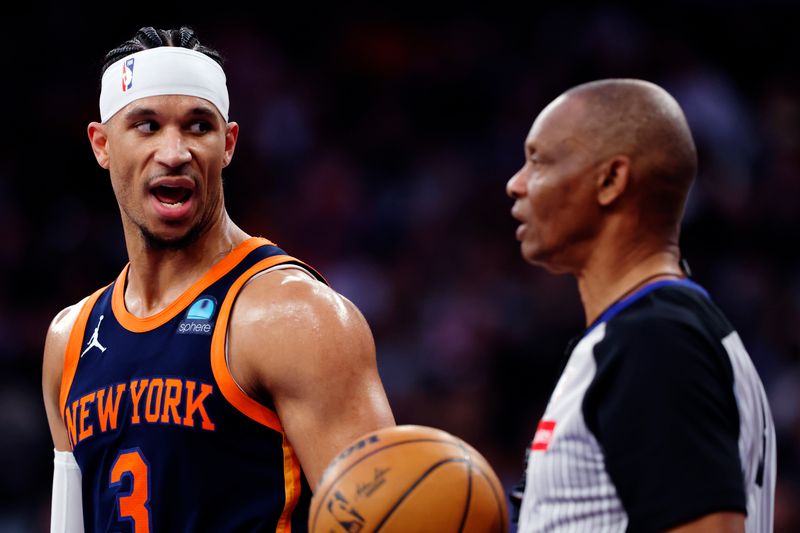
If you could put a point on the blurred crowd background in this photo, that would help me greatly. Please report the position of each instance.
(375, 144)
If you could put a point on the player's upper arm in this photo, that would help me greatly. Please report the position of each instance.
(55, 347)
(312, 352)
(663, 409)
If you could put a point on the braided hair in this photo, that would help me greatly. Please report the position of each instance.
(149, 37)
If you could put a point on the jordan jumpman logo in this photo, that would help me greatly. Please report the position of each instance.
(93, 342)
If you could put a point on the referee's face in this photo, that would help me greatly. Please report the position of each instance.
(554, 191)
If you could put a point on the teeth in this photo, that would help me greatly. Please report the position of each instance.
(172, 206)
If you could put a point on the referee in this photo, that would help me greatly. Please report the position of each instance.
(659, 421)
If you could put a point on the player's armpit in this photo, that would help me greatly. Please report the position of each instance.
(713, 523)
(312, 352)
(55, 347)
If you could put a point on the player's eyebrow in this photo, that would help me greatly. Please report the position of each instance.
(202, 111)
(140, 112)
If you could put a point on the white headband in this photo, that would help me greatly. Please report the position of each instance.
(161, 71)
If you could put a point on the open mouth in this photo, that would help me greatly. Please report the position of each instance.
(171, 196)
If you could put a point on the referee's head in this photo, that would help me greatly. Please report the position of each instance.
(610, 161)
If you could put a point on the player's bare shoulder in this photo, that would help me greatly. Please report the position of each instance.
(58, 333)
(55, 347)
(297, 325)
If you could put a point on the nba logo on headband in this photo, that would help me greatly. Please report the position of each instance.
(127, 74)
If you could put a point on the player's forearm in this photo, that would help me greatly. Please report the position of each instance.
(67, 506)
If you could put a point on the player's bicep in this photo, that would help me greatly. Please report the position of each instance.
(663, 410)
(338, 397)
(315, 358)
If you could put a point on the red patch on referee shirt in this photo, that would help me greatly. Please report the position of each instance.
(543, 436)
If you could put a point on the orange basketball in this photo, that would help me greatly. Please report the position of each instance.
(409, 479)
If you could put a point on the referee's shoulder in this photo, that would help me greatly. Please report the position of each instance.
(669, 308)
(678, 322)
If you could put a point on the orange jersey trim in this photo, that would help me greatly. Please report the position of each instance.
(292, 484)
(219, 364)
(139, 325)
(247, 405)
(72, 354)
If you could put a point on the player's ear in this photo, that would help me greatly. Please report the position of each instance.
(613, 179)
(231, 134)
(98, 138)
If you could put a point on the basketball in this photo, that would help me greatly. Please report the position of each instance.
(409, 479)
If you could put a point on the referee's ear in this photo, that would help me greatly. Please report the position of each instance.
(612, 181)
(98, 138)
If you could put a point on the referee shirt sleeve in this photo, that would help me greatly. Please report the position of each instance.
(663, 410)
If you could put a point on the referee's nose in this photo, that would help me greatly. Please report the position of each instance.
(517, 186)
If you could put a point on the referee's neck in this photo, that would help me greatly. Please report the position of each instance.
(605, 282)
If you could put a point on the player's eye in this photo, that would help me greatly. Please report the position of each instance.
(200, 126)
(146, 126)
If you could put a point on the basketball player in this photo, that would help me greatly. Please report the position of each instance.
(208, 386)
(659, 420)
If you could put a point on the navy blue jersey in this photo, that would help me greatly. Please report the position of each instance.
(165, 439)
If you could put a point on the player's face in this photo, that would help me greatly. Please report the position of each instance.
(165, 155)
(555, 190)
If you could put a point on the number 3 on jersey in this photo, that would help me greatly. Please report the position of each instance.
(134, 504)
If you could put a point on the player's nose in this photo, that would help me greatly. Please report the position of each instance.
(172, 149)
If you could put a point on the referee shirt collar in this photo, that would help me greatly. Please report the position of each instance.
(615, 308)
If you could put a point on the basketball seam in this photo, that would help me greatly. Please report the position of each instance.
(497, 499)
(469, 489)
(370, 454)
(413, 486)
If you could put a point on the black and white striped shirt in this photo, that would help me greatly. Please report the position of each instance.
(658, 418)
